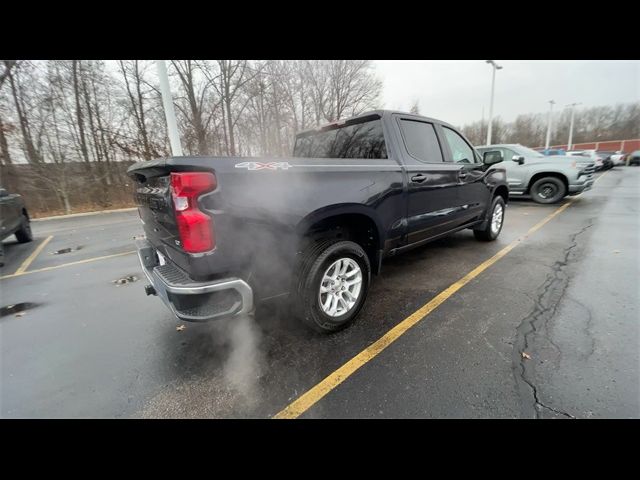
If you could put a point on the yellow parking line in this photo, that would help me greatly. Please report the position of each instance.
(312, 396)
(33, 256)
(79, 262)
(596, 180)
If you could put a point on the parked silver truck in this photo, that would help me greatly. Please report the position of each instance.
(545, 179)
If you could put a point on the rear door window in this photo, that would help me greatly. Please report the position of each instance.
(421, 141)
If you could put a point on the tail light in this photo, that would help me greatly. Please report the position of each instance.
(195, 227)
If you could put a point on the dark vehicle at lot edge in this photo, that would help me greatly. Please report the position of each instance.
(224, 233)
(14, 219)
(607, 162)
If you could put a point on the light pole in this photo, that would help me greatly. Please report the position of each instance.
(493, 83)
(169, 112)
(546, 145)
(573, 111)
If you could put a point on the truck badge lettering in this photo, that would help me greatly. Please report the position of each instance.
(264, 166)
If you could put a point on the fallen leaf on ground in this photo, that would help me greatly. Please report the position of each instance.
(526, 355)
(179, 328)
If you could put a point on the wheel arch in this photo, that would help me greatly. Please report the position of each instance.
(353, 222)
(503, 191)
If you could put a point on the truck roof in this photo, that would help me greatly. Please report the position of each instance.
(370, 113)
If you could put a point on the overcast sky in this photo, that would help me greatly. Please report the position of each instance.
(456, 91)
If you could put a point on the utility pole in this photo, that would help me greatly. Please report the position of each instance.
(495, 67)
(169, 112)
(546, 145)
(573, 111)
(482, 124)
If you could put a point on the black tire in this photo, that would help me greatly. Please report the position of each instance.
(24, 235)
(548, 190)
(319, 257)
(489, 234)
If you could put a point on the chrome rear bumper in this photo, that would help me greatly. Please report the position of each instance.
(189, 299)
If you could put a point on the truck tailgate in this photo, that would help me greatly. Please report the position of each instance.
(153, 196)
(155, 207)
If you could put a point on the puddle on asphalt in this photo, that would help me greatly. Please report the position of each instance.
(125, 280)
(66, 250)
(16, 308)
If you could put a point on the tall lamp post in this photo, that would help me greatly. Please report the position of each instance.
(493, 83)
(573, 111)
(169, 112)
(546, 145)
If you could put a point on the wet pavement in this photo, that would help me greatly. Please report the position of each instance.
(550, 330)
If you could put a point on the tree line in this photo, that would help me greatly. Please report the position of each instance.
(70, 128)
(619, 122)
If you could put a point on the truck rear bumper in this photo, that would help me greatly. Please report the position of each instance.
(191, 300)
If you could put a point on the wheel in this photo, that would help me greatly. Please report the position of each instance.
(333, 282)
(496, 220)
(548, 190)
(24, 235)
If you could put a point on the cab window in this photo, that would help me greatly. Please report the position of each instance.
(421, 141)
(461, 152)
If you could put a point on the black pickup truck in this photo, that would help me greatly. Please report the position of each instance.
(223, 233)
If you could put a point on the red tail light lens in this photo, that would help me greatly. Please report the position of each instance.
(195, 227)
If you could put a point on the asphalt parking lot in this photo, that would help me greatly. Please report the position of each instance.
(550, 330)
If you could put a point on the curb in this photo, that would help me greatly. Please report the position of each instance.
(84, 214)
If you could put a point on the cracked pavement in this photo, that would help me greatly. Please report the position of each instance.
(534, 328)
(567, 296)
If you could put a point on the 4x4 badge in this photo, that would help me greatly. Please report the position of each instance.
(264, 166)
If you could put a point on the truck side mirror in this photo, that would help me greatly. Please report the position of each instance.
(492, 157)
(519, 159)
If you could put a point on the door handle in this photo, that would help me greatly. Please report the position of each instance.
(419, 178)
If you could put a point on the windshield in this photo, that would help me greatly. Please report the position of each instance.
(360, 140)
(527, 152)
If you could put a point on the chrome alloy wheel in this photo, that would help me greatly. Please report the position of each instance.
(340, 287)
(496, 219)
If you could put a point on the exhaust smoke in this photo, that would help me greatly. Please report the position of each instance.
(244, 364)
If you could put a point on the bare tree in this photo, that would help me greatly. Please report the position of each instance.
(233, 75)
(196, 87)
(5, 128)
(7, 66)
(24, 103)
(75, 68)
(134, 83)
(5, 155)
(352, 88)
